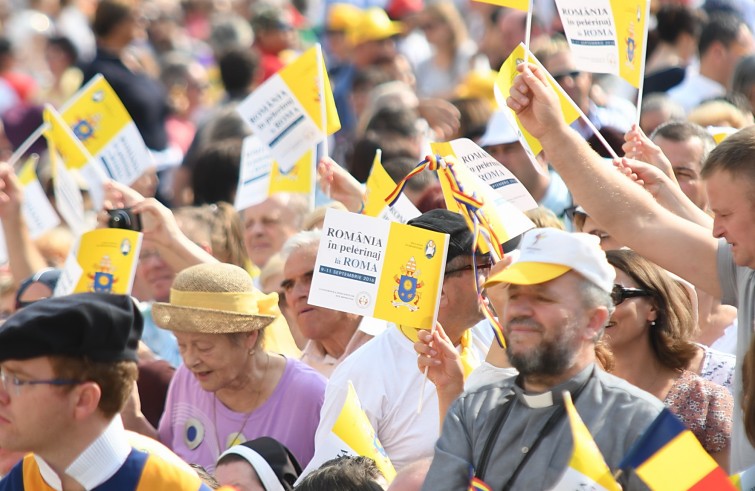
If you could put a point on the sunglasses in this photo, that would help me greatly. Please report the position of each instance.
(620, 293)
(558, 77)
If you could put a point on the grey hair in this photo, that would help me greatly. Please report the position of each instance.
(593, 296)
(662, 102)
(301, 240)
(297, 204)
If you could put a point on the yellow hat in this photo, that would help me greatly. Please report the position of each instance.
(373, 25)
(341, 16)
(547, 253)
(479, 84)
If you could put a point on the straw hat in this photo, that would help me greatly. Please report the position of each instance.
(215, 299)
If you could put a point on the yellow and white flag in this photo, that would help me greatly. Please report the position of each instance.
(99, 120)
(504, 220)
(514, 4)
(261, 176)
(73, 155)
(353, 434)
(607, 36)
(379, 185)
(488, 170)
(38, 213)
(503, 88)
(68, 199)
(293, 110)
(102, 260)
(587, 469)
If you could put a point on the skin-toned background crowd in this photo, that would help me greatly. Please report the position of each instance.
(635, 293)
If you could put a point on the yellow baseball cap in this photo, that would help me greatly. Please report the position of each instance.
(341, 16)
(547, 253)
(479, 84)
(373, 25)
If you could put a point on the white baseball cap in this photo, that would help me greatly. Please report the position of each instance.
(499, 130)
(547, 253)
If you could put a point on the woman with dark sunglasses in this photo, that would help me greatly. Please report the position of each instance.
(649, 334)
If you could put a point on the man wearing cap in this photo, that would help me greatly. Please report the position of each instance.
(371, 36)
(384, 371)
(67, 368)
(722, 265)
(545, 185)
(515, 434)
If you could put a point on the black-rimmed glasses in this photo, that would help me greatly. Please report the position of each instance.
(620, 293)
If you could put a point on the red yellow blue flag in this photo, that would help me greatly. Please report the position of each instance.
(668, 457)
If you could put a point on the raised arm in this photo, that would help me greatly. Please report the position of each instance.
(23, 256)
(628, 212)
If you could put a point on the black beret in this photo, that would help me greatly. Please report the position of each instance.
(440, 220)
(99, 326)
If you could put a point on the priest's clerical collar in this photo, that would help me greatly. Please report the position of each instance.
(556, 394)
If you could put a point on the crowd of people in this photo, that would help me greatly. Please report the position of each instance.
(634, 293)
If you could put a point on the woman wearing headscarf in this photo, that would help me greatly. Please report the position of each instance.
(262, 464)
(229, 389)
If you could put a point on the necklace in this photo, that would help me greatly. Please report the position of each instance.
(239, 433)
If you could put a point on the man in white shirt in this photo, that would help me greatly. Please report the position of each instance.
(384, 371)
(724, 40)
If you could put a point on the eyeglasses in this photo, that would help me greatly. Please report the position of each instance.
(481, 268)
(573, 74)
(620, 293)
(9, 381)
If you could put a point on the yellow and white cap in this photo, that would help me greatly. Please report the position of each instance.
(547, 253)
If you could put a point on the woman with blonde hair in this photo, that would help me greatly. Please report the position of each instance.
(453, 51)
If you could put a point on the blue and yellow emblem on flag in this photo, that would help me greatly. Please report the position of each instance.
(407, 289)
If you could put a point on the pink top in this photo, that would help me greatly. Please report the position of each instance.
(290, 415)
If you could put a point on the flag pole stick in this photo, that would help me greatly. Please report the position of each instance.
(642, 59)
(15, 159)
(528, 31)
(323, 121)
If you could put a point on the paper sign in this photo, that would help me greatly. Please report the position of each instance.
(505, 219)
(99, 120)
(286, 112)
(103, 260)
(607, 36)
(260, 175)
(379, 185)
(377, 268)
(489, 170)
(37, 211)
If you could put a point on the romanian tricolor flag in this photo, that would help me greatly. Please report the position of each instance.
(477, 484)
(668, 457)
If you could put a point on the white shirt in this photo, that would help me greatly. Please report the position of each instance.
(694, 89)
(95, 465)
(388, 383)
